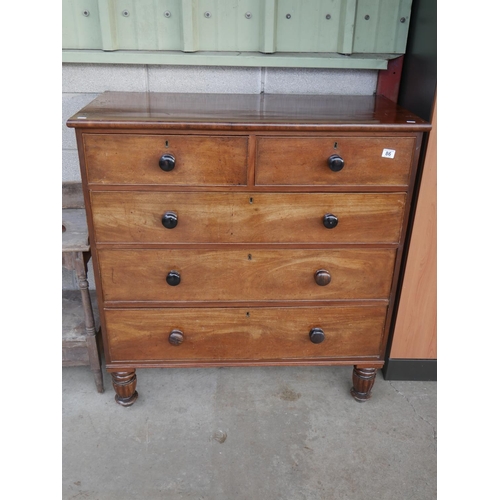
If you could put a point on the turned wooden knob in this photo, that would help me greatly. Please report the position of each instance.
(169, 220)
(173, 278)
(167, 162)
(176, 337)
(322, 277)
(317, 335)
(336, 163)
(330, 221)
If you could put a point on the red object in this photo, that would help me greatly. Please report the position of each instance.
(390, 78)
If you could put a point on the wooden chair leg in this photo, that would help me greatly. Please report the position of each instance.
(83, 284)
(95, 366)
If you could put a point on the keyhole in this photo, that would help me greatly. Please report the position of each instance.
(166, 144)
(251, 200)
(248, 314)
(335, 145)
(249, 256)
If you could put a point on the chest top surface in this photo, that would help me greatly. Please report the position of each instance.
(243, 111)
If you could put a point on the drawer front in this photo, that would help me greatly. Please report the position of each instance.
(296, 161)
(135, 217)
(245, 275)
(244, 334)
(134, 159)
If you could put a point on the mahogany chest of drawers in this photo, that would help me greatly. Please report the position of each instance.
(236, 230)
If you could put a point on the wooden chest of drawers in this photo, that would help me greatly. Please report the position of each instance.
(236, 230)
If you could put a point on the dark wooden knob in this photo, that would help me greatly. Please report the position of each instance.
(317, 335)
(336, 163)
(176, 337)
(167, 162)
(173, 278)
(169, 220)
(330, 221)
(322, 277)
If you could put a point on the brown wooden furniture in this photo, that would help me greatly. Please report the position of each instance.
(236, 230)
(79, 345)
(413, 353)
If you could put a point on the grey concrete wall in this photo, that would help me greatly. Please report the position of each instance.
(81, 83)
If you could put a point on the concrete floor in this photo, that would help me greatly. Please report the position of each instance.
(248, 434)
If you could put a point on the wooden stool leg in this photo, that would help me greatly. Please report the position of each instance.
(125, 384)
(83, 284)
(98, 379)
(362, 380)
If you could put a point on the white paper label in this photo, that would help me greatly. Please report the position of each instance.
(388, 153)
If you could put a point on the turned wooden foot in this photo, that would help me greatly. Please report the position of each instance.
(124, 384)
(363, 380)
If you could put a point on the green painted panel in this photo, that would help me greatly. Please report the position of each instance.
(189, 25)
(268, 21)
(222, 24)
(310, 27)
(304, 26)
(251, 59)
(144, 26)
(169, 29)
(81, 25)
(383, 31)
(108, 24)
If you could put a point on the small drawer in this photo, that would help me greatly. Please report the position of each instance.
(245, 275)
(253, 334)
(335, 161)
(191, 160)
(134, 217)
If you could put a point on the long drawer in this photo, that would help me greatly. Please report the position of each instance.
(384, 161)
(235, 217)
(245, 275)
(244, 334)
(135, 159)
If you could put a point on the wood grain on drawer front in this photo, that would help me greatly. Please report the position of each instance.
(135, 217)
(297, 161)
(245, 275)
(244, 334)
(134, 159)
